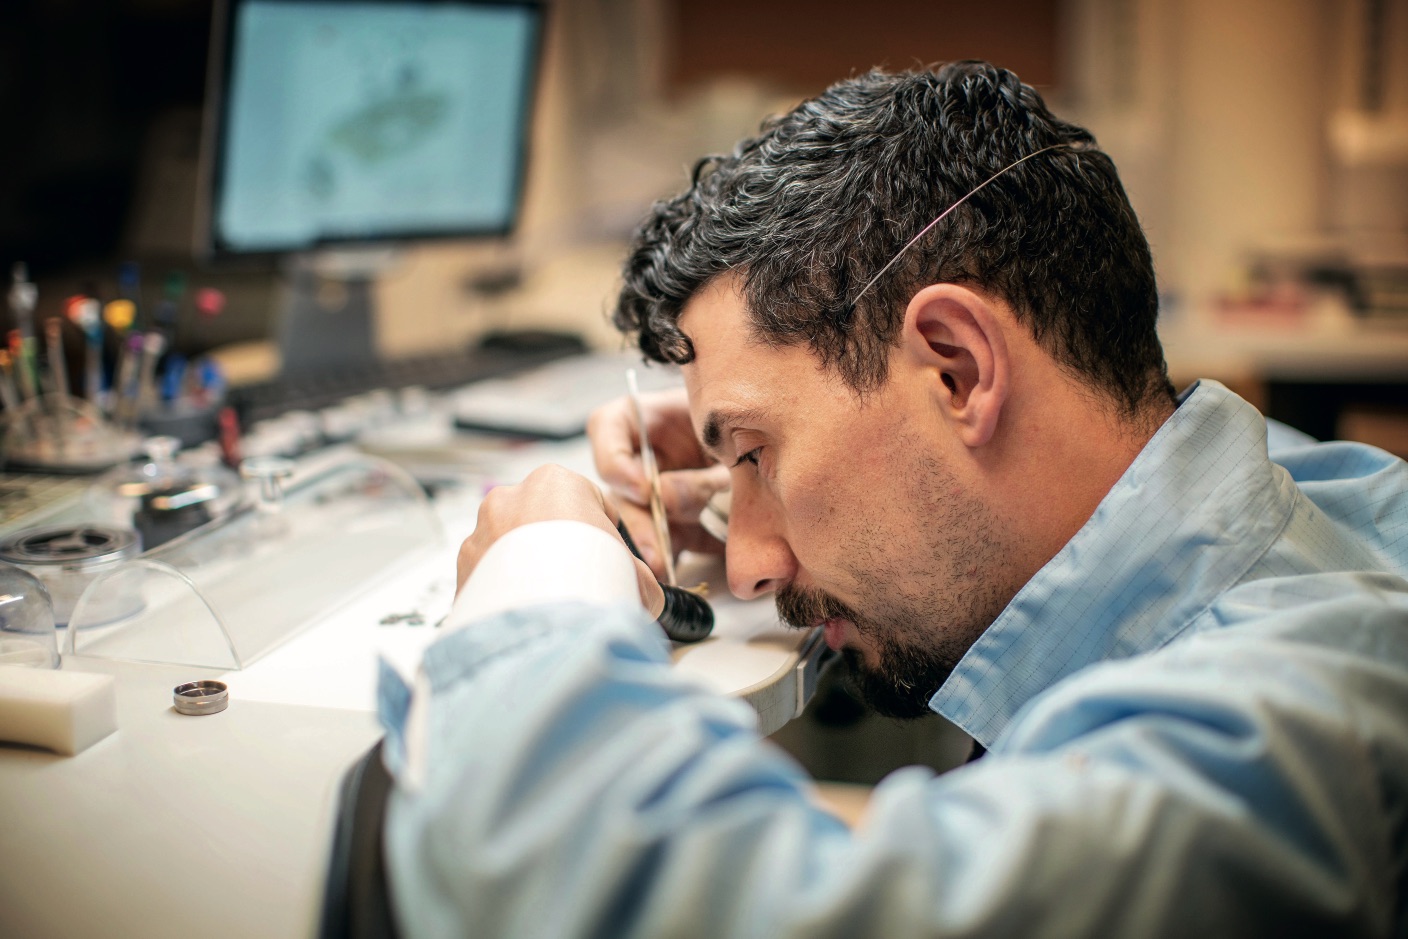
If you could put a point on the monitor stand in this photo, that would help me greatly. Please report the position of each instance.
(328, 321)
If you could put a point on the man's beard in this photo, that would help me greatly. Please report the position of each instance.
(909, 672)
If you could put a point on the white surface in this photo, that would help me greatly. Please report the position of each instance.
(333, 664)
(221, 824)
(217, 825)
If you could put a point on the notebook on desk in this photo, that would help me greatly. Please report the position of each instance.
(553, 401)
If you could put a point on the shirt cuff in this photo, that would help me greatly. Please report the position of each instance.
(547, 562)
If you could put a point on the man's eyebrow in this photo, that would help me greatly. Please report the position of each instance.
(718, 420)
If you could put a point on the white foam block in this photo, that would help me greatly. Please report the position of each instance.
(66, 712)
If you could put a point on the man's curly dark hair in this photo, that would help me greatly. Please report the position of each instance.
(812, 208)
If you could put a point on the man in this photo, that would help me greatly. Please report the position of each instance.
(949, 440)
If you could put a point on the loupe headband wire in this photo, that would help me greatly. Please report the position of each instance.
(945, 213)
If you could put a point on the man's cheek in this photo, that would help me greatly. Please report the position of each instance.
(816, 509)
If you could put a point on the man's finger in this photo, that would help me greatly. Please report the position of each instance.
(685, 492)
(614, 439)
(652, 595)
(642, 528)
(695, 538)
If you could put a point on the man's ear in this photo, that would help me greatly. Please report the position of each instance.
(956, 334)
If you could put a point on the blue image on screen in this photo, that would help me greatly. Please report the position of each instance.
(372, 121)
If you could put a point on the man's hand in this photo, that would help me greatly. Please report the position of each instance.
(687, 476)
(549, 492)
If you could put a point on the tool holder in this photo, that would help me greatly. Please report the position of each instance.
(63, 434)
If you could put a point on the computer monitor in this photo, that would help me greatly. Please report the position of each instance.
(335, 124)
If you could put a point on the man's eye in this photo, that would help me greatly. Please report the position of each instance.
(750, 457)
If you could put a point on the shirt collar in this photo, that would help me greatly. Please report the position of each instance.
(1198, 506)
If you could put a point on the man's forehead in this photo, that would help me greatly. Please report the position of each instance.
(714, 322)
(717, 307)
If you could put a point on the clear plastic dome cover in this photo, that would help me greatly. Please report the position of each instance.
(26, 620)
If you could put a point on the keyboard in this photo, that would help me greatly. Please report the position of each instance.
(314, 391)
(553, 401)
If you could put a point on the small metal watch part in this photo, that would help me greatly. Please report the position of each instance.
(207, 696)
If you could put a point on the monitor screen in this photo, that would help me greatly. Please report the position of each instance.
(343, 121)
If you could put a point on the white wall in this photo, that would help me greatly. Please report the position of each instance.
(1220, 114)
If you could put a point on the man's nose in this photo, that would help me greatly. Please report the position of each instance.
(759, 559)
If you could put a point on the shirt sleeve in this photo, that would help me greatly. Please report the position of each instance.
(1236, 785)
(538, 563)
(546, 562)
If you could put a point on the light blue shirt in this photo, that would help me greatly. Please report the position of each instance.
(1197, 717)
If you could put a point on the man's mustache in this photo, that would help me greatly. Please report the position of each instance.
(803, 608)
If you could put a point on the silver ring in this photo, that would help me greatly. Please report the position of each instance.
(202, 697)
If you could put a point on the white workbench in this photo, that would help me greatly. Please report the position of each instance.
(221, 825)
